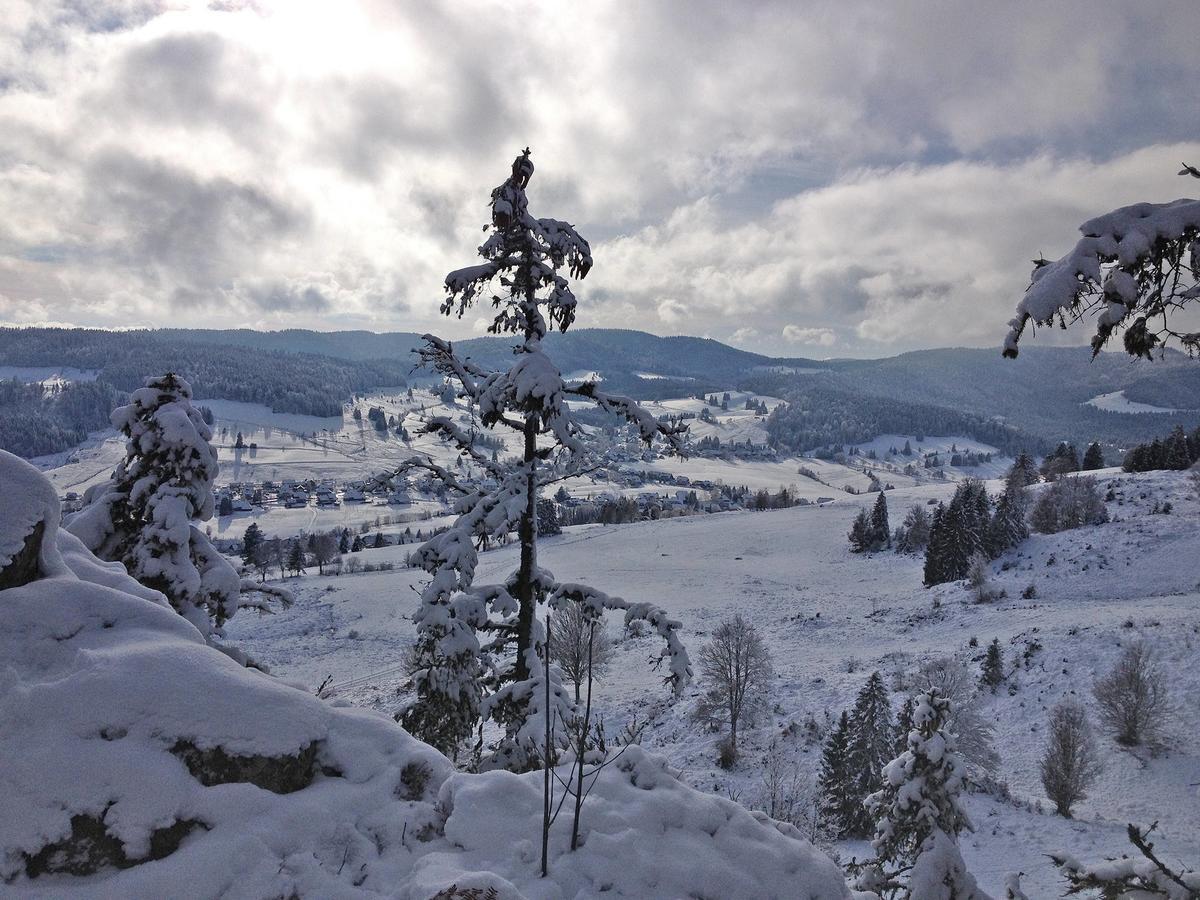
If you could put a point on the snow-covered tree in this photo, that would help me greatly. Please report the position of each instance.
(457, 677)
(839, 802)
(1009, 525)
(580, 644)
(736, 666)
(881, 532)
(146, 515)
(296, 559)
(992, 670)
(919, 816)
(955, 680)
(860, 533)
(959, 531)
(1134, 699)
(1024, 471)
(868, 750)
(250, 541)
(547, 518)
(1068, 503)
(1070, 763)
(914, 532)
(1136, 267)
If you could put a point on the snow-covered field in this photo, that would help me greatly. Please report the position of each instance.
(829, 619)
(1118, 402)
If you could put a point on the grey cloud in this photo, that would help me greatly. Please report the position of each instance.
(203, 230)
(195, 80)
(287, 298)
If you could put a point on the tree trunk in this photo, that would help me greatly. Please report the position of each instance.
(527, 533)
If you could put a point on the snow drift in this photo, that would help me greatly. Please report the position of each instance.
(135, 760)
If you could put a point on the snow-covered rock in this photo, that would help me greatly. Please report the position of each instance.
(137, 761)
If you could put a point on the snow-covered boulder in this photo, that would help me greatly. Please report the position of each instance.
(138, 761)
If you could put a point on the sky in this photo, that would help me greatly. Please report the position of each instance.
(815, 179)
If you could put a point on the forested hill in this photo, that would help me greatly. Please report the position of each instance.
(284, 380)
(1043, 393)
(1032, 402)
(624, 357)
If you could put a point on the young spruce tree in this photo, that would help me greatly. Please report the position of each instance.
(918, 814)
(839, 804)
(146, 515)
(869, 749)
(459, 679)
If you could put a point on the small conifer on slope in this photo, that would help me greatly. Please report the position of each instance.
(869, 748)
(458, 677)
(839, 804)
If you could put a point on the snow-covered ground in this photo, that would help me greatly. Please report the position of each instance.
(137, 761)
(830, 618)
(46, 374)
(1117, 402)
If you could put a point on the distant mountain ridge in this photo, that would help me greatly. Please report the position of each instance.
(1033, 401)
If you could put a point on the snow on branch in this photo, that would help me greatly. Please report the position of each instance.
(647, 425)
(1147, 876)
(1138, 262)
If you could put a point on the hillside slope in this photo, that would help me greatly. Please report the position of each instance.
(136, 761)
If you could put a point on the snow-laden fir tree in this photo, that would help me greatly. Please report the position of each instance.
(935, 571)
(479, 649)
(840, 804)
(146, 515)
(1010, 521)
(868, 750)
(919, 816)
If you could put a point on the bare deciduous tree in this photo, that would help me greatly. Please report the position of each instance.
(1070, 763)
(785, 795)
(324, 548)
(737, 665)
(954, 680)
(1133, 696)
(573, 634)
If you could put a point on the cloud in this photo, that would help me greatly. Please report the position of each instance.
(886, 259)
(821, 337)
(736, 167)
(671, 311)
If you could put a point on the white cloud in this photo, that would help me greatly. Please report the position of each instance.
(822, 337)
(671, 311)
